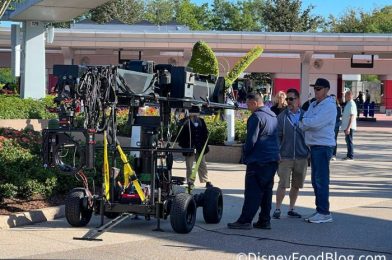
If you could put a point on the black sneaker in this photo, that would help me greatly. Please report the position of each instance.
(238, 225)
(276, 214)
(262, 225)
(209, 184)
(293, 214)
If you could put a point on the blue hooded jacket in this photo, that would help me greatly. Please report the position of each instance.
(261, 144)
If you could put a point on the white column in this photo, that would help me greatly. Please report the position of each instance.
(305, 67)
(229, 116)
(68, 54)
(15, 46)
(187, 55)
(33, 62)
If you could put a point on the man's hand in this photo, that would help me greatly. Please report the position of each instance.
(347, 131)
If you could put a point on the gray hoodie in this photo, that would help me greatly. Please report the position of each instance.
(291, 138)
(318, 123)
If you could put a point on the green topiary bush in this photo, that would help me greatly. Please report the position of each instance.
(242, 64)
(203, 59)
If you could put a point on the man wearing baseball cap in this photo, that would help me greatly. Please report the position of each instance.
(318, 124)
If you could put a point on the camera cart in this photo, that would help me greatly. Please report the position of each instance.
(145, 187)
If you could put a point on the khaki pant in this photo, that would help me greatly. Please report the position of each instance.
(203, 173)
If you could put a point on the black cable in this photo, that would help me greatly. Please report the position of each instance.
(294, 243)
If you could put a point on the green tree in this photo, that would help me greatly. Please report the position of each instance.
(353, 21)
(218, 17)
(159, 11)
(240, 16)
(127, 11)
(203, 15)
(288, 16)
(252, 19)
(191, 15)
(203, 59)
(259, 78)
(358, 21)
(370, 78)
(380, 21)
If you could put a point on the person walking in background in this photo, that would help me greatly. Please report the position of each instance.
(359, 102)
(366, 105)
(293, 152)
(337, 126)
(261, 156)
(194, 134)
(318, 124)
(349, 124)
(280, 103)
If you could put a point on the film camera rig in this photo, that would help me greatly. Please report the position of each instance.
(147, 187)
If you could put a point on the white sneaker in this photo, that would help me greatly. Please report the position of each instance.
(333, 158)
(320, 218)
(308, 217)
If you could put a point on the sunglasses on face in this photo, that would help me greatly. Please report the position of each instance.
(290, 99)
(318, 89)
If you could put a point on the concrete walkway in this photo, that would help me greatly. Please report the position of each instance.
(361, 202)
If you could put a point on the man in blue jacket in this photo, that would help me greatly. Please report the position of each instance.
(318, 124)
(261, 156)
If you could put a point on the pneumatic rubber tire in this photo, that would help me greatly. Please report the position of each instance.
(76, 214)
(213, 205)
(183, 213)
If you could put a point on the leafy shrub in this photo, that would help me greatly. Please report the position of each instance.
(241, 117)
(123, 127)
(21, 165)
(240, 131)
(8, 190)
(6, 75)
(14, 107)
(217, 130)
(31, 187)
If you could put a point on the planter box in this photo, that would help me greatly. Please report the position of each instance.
(18, 124)
(224, 154)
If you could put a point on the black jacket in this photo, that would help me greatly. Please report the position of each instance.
(193, 137)
(277, 110)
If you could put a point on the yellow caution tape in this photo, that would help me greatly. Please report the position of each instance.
(217, 116)
(196, 168)
(129, 173)
(105, 170)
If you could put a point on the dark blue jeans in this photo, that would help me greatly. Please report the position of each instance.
(350, 144)
(259, 180)
(336, 140)
(320, 156)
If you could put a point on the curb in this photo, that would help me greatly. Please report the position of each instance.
(31, 217)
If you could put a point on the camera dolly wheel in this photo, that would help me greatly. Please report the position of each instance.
(212, 205)
(183, 213)
(77, 212)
